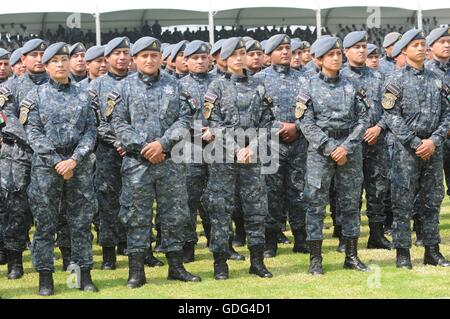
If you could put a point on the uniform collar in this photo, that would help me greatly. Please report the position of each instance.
(38, 78)
(180, 75)
(78, 78)
(390, 59)
(237, 78)
(414, 70)
(116, 76)
(281, 68)
(358, 69)
(3, 80)
(440, 65)
(169, 71)
(58, 85)
(148, 79)
(327, 79)
(198, 76)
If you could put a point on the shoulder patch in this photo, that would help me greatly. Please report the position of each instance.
(302, 103)
(25, 107)
(268, 101)
(112, 99)
(394, 89)
(210, 97)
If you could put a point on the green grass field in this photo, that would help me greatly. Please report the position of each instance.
(290, 276)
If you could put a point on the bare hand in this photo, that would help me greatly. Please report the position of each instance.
(426, 149)
(152, 150)
(68, 175)
(207, 135)
(343, 161)
(157, 158)
(338, 154)
(372, 134)
(288, 132)
(244, 155)
(64, 167)
(121, 151)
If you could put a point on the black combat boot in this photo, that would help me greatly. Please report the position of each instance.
(257, 266)
(151, 260)
(3, 258)
(121, 249)
(300, 245)
(65, 253)
(234, 255)
(207, 230)
(86, 283)
(315, 257)
(419, 233)
(271, 247)
(239, 234)
(351, 255)
(434, 257)
(15, 265)
(176, 268)
(136, 272)
(46, 283)
(341, 245)
(403, 258)
(189, 252)
(377, 240)
(109, 258)
(282, 239)
(220, 266)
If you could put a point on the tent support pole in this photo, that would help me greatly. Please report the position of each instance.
(98, 31)
(211, 27)
(419, 19)
(318, 23)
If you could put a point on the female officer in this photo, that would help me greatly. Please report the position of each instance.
(236, 102)
(332, 114)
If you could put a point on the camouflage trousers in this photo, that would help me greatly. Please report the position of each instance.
(144, 183)
(447, 163)
(196, 181)
(285, 188)
(108, 184)
(348, 181)
(46, 193)
(376, 182)
(416, 183)
(15, 220)
(219, 199)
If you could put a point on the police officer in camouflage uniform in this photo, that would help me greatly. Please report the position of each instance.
(5, 68)
(236, 101)
(416, 103)
(15, 158)
(18, 68)
(194, 87)
(109, 152)
(177, 58)
(63, 141)
(96, 64)
(375, 153)
(439, 42)
(332, 114)
(149, 120)
(387, 63)
(220, 65)
(4, 73)
(78, 71)
(285, 187)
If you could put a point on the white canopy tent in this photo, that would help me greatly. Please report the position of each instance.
(132, 13)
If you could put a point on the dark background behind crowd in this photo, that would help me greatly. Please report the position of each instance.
(13, 36)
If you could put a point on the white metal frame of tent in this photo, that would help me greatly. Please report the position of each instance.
(98, 7)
